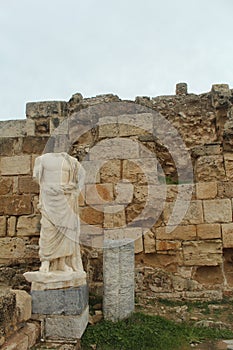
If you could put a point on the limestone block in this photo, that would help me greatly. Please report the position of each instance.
(5, 185)
(8, 309)
(225, 189)
(124, 192)
(131, 170)
(207, 150)
(133, 233)
(2, 226)
(209, 168)
(91, 215)
(92, 171)
(208, 231)
(227, 235)
(185, 233)
(81, 200)
(118, 272)
(34, 144)
(16, 250)
(45, 109)
(108, 127)
(66, 327)
(140, 193)
(30, 127)
(167, 245)
(149, 242)
(194, 214)
(111, 171)
(137, 124)
(23, 303)
(15, 204)
(16, 165)
(28, 225)
(228, 160)
(16, 342)
(206, 190)
(116, 148)
(182, 189)
(11, 226)
(69, 301)
(32, 330)
(28, 185)
(99, 193)
(24, 339)
(218, 210)
(12, 128)
(114, 216)
(202, 253)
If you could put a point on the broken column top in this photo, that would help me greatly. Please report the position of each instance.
(181, 89)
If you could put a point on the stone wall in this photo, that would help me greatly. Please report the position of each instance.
(194, 261)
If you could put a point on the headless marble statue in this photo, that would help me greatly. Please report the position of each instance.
(60, 177)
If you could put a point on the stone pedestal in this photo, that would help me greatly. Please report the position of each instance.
(118, 271)
(60, 300)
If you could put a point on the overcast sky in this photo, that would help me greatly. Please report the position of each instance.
(51, 49)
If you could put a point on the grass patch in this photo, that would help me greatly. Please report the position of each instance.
(145, 332)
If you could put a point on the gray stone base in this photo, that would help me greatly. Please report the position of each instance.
(65, 327)
(69, 301)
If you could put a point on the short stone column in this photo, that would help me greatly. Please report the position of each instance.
(118, 273)
(60, 302)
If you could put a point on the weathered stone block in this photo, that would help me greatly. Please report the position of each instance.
(111, 171)
(133, 233)
(124, 192)
(206, 190)
(99, 193)
(202, 253)
(228, 159)
(149, 242)
(225, 189)
(115, 148)
(16, 165)
(45, 109)
(131, 170)
(16, 250)
(66, 327)
(2, 226)
(28, 185)
(210, 168)
(5, 185)
(114, 216)
(28, 225)
(11, 226)
(208, 231)
(118, 270)
(108, 127)
(168, 245)
(69, 301)
(185, 233)
(34, 144)
(23, 303)
(137, 124)
(8, 312)
(15, 205)
(227, 235)
(218, 210)
(193, 215)
(91, 216)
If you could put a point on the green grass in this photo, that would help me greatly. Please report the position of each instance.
(144, 332)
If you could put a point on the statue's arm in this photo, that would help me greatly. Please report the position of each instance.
(37, 170)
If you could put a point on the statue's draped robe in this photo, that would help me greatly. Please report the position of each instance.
(60, 177)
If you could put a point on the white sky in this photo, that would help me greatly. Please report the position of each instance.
(51, 49)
